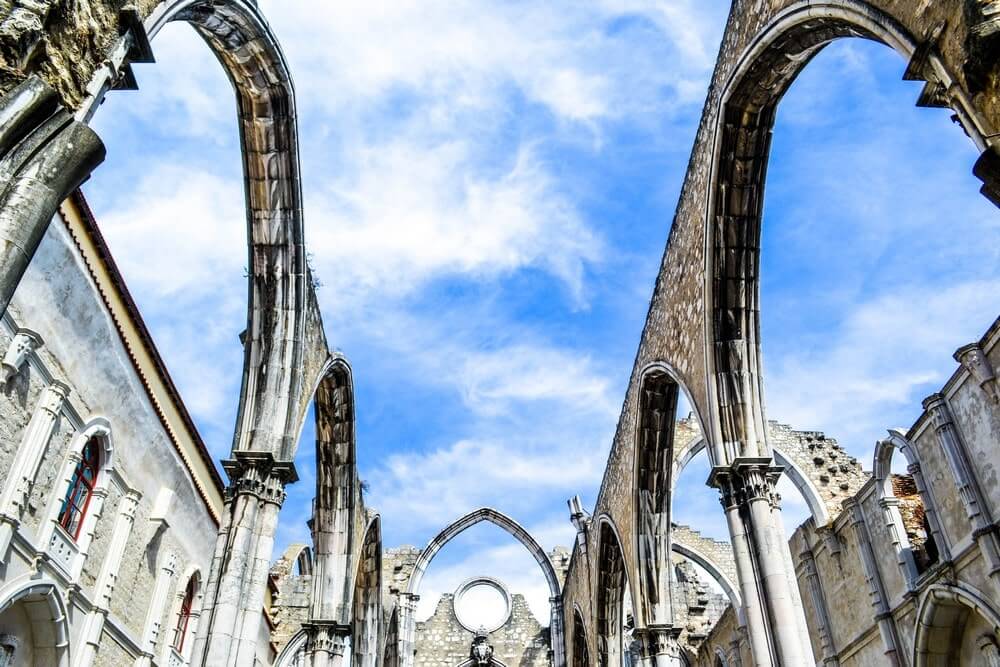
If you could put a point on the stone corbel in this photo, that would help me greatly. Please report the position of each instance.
(935, 92)
(974, 359)
(24, 343)
(161, 510)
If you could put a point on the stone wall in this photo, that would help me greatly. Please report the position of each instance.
(441, 641)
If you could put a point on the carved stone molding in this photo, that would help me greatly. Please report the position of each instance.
(974, 359)
(260, 475)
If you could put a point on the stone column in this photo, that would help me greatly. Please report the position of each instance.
(984, 530)
(781, 539)
(876, 587)
(749, 498)
(24, 469)
(106, 580)
(808, 561)
(757, 629)
(659, 647)
(58, 154)
(157, 605)
(234, 599)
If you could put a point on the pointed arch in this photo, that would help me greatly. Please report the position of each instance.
(715, 570)
(612, 584)
(48, 620)
(502, 521)
(515, 530)
(366, 603)
(581, 646)
(946, 615)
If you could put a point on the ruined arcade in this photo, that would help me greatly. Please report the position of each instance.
(123, 542)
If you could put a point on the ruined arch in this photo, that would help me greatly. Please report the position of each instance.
(906, 555)
(653, 483)
(946, 615)
(44, 622)
(581, 647)
(747, 108)
(715, 570)
(366, 603)
(612, 583)
(799, 477)
(516, 531)
(390, 641)
(293, 654)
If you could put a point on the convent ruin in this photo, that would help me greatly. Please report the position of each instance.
(104, 562)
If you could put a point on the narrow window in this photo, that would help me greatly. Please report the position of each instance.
(81, 489)
(184, 616)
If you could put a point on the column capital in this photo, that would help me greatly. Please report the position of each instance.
(258, 474)
(326, 637)
(747, 479)
(657, 640)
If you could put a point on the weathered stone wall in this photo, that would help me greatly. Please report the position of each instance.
(441, 641)
(849, 592)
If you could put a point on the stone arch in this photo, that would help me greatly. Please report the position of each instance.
(882, 469)
(191, 576)
(390, 643)
(294, 652)
(720, 658)
(366, 603)
(947, 614)
(748, 105)
(282, 340)
(715, 570)
(799, 477)
(612, 583)
(516, 531)
(581, 647)
(43, 620)
(653, 482)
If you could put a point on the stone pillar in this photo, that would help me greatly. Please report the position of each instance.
(876, 588)
(58, 154)
(234, 599)
(808, 561)
(154, 616)
(658, 646)
(24, 469)
(984, 530)
(781, 539)
(326, 644)
(106, 580)
(748, 496)
(757, 628)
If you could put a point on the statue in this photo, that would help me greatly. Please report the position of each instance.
(481, 652)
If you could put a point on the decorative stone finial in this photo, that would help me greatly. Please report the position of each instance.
(21, 346)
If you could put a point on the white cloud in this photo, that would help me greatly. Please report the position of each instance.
(410, 213)
(879, 362)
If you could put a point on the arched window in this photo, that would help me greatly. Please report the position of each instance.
(184, 615)
(81, 489)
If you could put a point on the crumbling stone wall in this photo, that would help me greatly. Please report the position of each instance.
(292, 595)
(441, 641)
(697, 608)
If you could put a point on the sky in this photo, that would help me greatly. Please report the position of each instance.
(488, 191)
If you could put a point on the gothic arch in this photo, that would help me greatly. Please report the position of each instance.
(882, 471)
(293, 654)
(945, 615)
(715, 570)
(366, 603)
(581, 646)
(498, 519)
(612, 583)
(749, 101)
(46, 611)
(282, 339)
(802, 481)
(516, 531)
(653, 483)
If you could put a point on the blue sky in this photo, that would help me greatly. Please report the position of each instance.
(488, 189)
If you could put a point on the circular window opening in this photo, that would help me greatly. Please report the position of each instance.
(482, 603)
